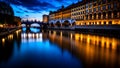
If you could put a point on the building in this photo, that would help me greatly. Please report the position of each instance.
(17, 20)
(45, 18)
(6, 13)
(87, 12)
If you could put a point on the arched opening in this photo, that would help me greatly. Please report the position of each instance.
(66, 23)
(110, 22)
(89, 23)
(104, 22)
(58, 24)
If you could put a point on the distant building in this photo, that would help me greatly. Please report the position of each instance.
(45, 18)
(17, 20)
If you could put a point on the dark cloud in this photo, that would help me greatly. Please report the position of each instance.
(18, 12)
(34, 5)
(28, 8)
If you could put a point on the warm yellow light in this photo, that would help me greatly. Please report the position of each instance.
(1, 25)
(3, 40)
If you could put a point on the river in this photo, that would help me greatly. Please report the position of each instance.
(58, 49)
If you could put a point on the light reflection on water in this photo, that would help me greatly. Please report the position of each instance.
(59, 49)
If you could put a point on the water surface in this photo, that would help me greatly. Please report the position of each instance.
(63, 49)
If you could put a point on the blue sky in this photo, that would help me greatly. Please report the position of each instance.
(34, 9)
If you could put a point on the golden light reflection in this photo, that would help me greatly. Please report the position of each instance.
(3, 41)
(103, 42)
(71, 36)
(92, 48)
(17, 32)
(10, 37)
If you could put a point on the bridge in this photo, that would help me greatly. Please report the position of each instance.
(29, 23)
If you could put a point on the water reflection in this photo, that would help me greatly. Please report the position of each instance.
(31, 37)
(31, 30)
(59, 49)
(93, 50)
(29, 49)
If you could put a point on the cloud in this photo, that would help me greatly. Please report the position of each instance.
(18, 12)
(36, 8)
(34, 5)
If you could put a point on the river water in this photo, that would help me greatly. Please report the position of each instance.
(58, 49)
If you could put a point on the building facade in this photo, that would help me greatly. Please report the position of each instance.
(88, 12)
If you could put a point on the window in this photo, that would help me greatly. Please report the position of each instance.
(104, 8)
(109, 6)
(94, 16)
(103, 1)
(109, 1)
(99, 8)
(90, 16)
(90, 5)
(94, 4)
(90, 10)
(115, 5)
(87, 11)
(94, 9)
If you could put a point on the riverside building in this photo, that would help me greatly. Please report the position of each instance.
(87, 12)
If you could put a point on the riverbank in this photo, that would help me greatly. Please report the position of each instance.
(7, 31)
(109, 29)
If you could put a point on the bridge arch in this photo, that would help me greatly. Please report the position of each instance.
(58, 24)
(66, 23)
(35, 25)
(23, 25)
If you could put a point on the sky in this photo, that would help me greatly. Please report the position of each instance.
(34, 9)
